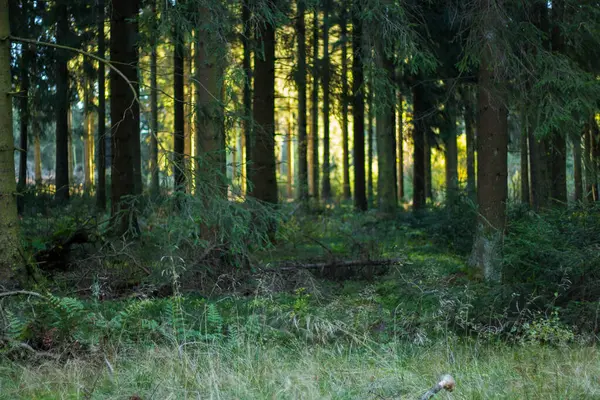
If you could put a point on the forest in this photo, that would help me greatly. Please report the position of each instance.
(283, 199)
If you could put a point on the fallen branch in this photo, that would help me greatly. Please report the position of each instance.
(22, 292)
(292, 266)
(19, 345)
(446, 382)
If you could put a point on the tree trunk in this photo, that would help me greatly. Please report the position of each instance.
(577, 169)
(210, 139)
(154, 168)
(386, 135)
(451, 154)
(525, 194)
(419, 133)
(187, 121)
(358, 109)
(37, 156)
(247, 95)
(10, 243)
(325, 74)
(400, 149)
(178, 111)
(72, 154)
(428, 176)
(101, 140)
(470, 139)
(538, 158)
(587, 161)
(492, 161)
(88, 136)
(302, 101)
(62, 105)
(595, 146)
(26, 56)
(124, 113)
(370, 141)
(347, 195)
(289, 157)
(314, 148)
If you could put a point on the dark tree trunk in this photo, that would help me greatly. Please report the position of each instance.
(301, 84)
(400, 150)
(178, 112)
(263, 175)
(370, 142)
(419, 133)
(577, 169)
(451, 154)
(325, 74)
(124, 112)
(314, 134)
(428, 176)
(26, 58)
(595, 146)
(386, 136)
(358, 109)
(538, 158)
(154, 169)
(525, 193)
(62, 105)
(492, 161)
(247, 95)
(469, 116)
(587, 161)
(101, 139)
(347, 195)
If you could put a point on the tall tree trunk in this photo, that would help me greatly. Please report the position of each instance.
(314, 134)
(187, 121)
(577, 169)
(400, 149)
(10, 242)
(247, 95)
(178, 111)
(72, 154)
(289, 158)
(326, 76)
(101, 140)
(124, 112)
(469, 115)
(595, 146)
(264, 176)
(302, 101)
(88, 135)
(386, 135)
(358, 109)
(525, 194)
(347, 195)
(26, 56)
(62, 105)
(154, 168)
(451, 154)
(538, 159)
(419, 133)
(370, 142)
(37, 156)
(587, 160)
(210, 138)
(428, 175)
(492, 159)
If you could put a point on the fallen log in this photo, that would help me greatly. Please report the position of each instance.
(293, 266)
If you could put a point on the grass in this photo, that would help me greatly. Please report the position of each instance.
(247, 370)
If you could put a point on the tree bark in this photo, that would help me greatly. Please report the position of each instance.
(577, 169)
(370, 142)
(469, 116)
(101, 140)
(302, 102)
(538, 158)
(247, 91)
(124, 113)
(178, 111)
(154, 168)
(587, 160)
(37, 156)
(187, 120)
(210, 138)
(492, 159)
(62, 105)
(26, 58)
(347, 195)
(428, 176)
(386, 135)
(326, 76)
(525, 193)
(314, 134)
(358, 109)
(10, 243)
(264, 179)
(419, 133)
(595, 157)
(88, 136)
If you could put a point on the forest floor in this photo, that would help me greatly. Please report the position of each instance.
(351, 333)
